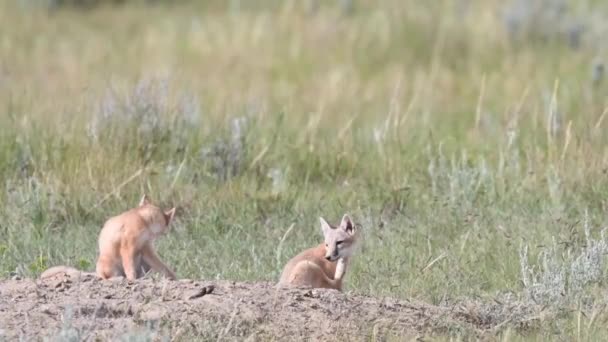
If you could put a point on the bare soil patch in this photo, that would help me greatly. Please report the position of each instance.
(87, 309)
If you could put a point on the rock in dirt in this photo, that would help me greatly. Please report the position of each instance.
(205, 290)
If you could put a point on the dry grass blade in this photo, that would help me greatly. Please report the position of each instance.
(280, 246)
(433, 262)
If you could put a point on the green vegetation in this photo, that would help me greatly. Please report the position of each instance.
(457, 133)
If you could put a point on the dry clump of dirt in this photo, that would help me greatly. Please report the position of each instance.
(82, 307)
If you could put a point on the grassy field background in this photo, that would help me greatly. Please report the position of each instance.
(467, 138)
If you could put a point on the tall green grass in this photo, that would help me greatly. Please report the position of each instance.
(454, 142)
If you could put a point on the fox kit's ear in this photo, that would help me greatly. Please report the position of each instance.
(325, 227)
(145, 200)
(169, 215)
(347, 224)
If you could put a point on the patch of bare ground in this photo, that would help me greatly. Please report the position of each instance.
(86, 308)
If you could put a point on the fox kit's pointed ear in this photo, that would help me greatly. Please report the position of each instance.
(145, 200)
(169, 215)
(325, 227)
(347, 224)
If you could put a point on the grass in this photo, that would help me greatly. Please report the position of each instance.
(452, 138)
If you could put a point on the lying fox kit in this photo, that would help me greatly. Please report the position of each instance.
(323, 266)
(63, 271)
(125, 242)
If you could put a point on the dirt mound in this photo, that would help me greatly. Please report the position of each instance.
(85, 308)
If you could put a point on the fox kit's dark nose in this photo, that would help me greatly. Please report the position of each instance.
(328, 257)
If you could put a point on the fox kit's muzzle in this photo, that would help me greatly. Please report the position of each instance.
(332, 255)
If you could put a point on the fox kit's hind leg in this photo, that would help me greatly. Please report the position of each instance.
(309, 273)
(105, 269)
(154, 262)
(136, 264)
(306, 273)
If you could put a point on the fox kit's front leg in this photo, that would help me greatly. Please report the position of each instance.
(340, 269)
(128, 255)
(150, 258)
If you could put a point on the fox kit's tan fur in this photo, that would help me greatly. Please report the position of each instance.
(125, 242)
(323, 266)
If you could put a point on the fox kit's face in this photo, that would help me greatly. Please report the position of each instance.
(160, 219)
(339, 241)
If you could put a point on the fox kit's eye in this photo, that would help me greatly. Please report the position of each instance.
(339, 243)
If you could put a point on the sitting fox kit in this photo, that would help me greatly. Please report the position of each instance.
(126, 242)
(323, 266)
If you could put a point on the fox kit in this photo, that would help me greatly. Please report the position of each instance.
(323, 266)
(63, 271)
(125, 242)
